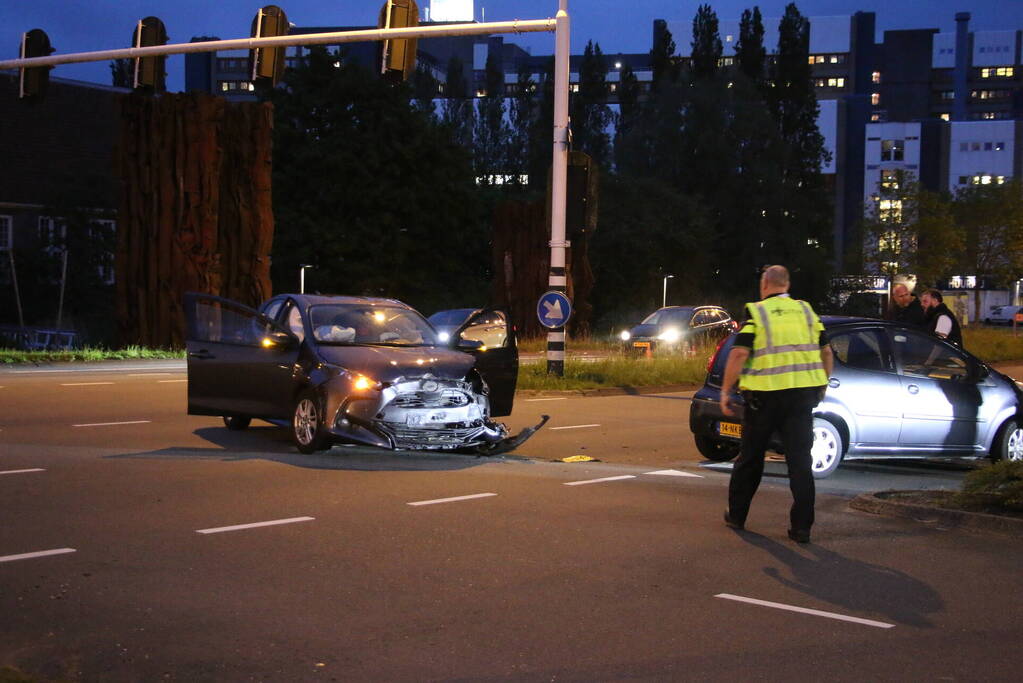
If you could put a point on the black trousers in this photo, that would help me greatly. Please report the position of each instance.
(790, 413)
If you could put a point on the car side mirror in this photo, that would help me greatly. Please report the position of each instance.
(278, 340)
(979, 372)
(469, 345)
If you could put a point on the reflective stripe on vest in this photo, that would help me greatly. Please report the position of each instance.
(793, 363)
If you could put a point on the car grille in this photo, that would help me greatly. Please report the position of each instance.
(432, 437)
(449, 398)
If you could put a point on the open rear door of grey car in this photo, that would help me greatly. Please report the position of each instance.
(497, 359)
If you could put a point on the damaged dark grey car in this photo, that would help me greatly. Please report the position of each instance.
(353, 370)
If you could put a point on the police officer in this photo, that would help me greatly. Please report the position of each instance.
(782, 361)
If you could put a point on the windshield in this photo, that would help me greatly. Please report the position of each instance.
(678, 316)
(452, 318)
(370, 324)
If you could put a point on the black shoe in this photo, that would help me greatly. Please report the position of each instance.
(799, 536)
(731, 523)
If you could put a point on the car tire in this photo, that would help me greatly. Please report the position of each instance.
(717, 450)
(307, 428)
(1009, 443)
(827, 449)
(237, 423)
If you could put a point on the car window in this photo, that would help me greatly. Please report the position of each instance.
(294, 322)
(370, 324)
(923, 356)
(861, 349)
(490, 328)
(452, 318)
(273, 309)
(220, 322)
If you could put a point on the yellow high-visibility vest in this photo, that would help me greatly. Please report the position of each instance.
(786, 346)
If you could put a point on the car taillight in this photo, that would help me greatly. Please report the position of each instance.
(714, 356)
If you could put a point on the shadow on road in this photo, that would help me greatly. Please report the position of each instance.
(272, 444)
(851, 584)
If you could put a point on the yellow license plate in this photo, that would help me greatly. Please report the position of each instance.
(641, 345)
(730, 429)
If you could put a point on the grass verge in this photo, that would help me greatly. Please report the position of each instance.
(616, 371)
(13, 356)
(992, 344)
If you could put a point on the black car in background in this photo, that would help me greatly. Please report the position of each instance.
(894, 392)
(679, 328)
(353, 369)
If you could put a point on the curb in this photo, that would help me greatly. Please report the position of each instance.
(877, 504)
(607, 391)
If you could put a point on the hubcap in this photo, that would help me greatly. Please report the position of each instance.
(305, 421)
(1014, 446)
(824, 450)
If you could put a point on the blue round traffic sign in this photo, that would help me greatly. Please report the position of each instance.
(553, 309)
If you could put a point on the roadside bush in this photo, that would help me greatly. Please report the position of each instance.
(1000, 485)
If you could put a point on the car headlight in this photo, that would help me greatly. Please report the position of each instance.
(625, 336)
(443, 336)
(670, 335)
(363, 383)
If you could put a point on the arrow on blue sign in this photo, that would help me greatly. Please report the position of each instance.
(553, 309)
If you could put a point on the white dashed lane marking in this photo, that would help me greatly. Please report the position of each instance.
(33, 469)
(804, 610)
(254, 525)
(111, 424)
(572, 427)
(83, 384)
(148, 374)
(170, 381)
(675, 473)
(528, 400)
(451, 500)
(40, 553)
(598, 481)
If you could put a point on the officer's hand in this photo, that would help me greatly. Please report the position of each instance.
(725, 407)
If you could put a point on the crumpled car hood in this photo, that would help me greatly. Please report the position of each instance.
(388, 363)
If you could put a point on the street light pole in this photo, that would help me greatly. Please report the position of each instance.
(556, 279)
(664, 294)
(301, 277)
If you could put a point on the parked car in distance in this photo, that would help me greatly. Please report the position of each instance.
(446, 322)
(894, 392)
(678, 328)
(353, 369)
(1001, 315)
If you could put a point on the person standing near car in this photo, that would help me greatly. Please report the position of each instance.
(781, 361)
(940, 321)
(906, 308)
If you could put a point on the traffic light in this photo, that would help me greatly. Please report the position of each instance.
(398, 57)
(32, 81)
(580, 199)
(149, 72)
(266, 64)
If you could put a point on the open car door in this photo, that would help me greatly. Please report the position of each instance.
(497, 355)
(239, 361)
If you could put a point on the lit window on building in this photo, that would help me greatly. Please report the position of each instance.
(819, 59)
(836, 82)
(999, 146)
(889, 179)
(998, 72)
(875, 98)
(875, 77)
(987, 179)
(834, 59)
(892, 150)
(945, 116)
(875, 117)
(889, 210)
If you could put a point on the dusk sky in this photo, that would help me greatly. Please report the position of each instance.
(618, 25)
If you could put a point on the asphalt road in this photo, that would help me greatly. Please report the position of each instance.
(142, 544)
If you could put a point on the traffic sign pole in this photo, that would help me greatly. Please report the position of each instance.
(557, 281)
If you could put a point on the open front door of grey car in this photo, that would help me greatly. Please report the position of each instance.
(239, 361)
(489, 336)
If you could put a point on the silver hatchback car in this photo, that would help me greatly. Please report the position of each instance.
(894, 391)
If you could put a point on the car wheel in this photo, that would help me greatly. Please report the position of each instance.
(716, 449)
(236, 423)
(826, 452)
(1009, 445)
(307, 424)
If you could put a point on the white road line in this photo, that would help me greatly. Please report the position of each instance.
(675, 473)
(804, 610)
(236, 527)
(170, 381)
(597, 481)
(41, 553)
(573, 427)
(148, 374)
(111, 424)
(34, 469)
(451, 500)
(528, 400)
(70, 370)
(83, 384)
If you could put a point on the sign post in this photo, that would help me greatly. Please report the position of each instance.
(556, 280)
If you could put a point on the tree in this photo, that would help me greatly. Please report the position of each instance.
(459, 108)
(372, 192)
(749, 50)
(122, 73)
(425, 89)
(629, 110)
(706, 43)
(662, 57)
(989, 219)
(491, 132)
(590, 114)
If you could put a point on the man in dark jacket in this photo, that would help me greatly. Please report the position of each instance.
(940, 321)
(906, 308)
